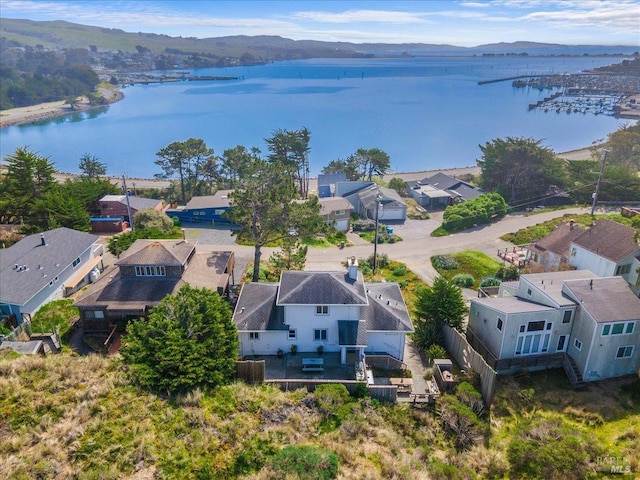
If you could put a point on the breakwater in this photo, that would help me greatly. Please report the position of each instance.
(146, 78)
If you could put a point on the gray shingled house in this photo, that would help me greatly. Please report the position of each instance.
(441, 190)
(45, 267)
(147, 272)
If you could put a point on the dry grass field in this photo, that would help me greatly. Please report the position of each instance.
(66, 416)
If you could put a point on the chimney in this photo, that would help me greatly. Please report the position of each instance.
(43, 242)
(184, 235)
(571, 223)
(591, 284)
(353, 268)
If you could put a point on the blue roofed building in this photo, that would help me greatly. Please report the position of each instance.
(209, 209)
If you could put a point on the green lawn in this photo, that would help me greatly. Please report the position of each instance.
(473, 263)
(58, 314)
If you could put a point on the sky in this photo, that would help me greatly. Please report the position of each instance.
(461, 23)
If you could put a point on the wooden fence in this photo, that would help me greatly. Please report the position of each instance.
(383, 393)
(466, 356)
(24, 327)
(250, 371)
(385, 361)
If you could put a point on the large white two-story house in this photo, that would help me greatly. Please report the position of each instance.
(335, 310)
(575, 319)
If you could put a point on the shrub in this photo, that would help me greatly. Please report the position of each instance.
(507, 273)
(360, 390)
(444, 262)
(436, 351)
(305, 463)
(473, 212)
(330, 397)
(471, 397)
(550, 449)
(490, 282)
(463, 280)
(399, 272)
(459, 421)
(149, 218)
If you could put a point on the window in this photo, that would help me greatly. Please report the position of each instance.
(529, 291)
(254, 335)
(319, 335)
(534, 338)
(322, 310)
(499, 324)
(566, 317)
(339, 212)
(623, 269)
(75, 262)
(93, 314)
(617, 328)
(150, 271)
(535, 326)
(219, 211)
(625, 352)
(561, 343)
(577, 343)
(574, 250)
(620, 328)
(292, 334)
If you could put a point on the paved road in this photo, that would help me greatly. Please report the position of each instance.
(417, 246)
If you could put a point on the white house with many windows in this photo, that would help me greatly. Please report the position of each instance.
(335, 310)
(587, 322)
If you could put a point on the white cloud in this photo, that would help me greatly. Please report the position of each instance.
(361, 16)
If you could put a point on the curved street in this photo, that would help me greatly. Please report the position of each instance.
(415, 250)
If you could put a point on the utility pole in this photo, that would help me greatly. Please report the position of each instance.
(126, 194)
(595, 194)
(375, 239)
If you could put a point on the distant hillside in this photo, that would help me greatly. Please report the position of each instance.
(61, 34)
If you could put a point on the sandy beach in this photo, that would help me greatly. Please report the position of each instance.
(46, 111)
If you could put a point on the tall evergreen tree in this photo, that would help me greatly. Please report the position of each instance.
(435, 306)
(519, 169)
(184, 159)
(291, 149)
(188, 341)
(29, 177)
(91, 167)
(264, 207)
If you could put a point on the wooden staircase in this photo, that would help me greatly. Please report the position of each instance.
(573, 372)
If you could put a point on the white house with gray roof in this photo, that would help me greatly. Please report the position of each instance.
(44, 267)
(608, 248)
(335, 310)
(574, 319)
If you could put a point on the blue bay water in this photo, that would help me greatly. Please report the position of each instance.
(426, 113)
